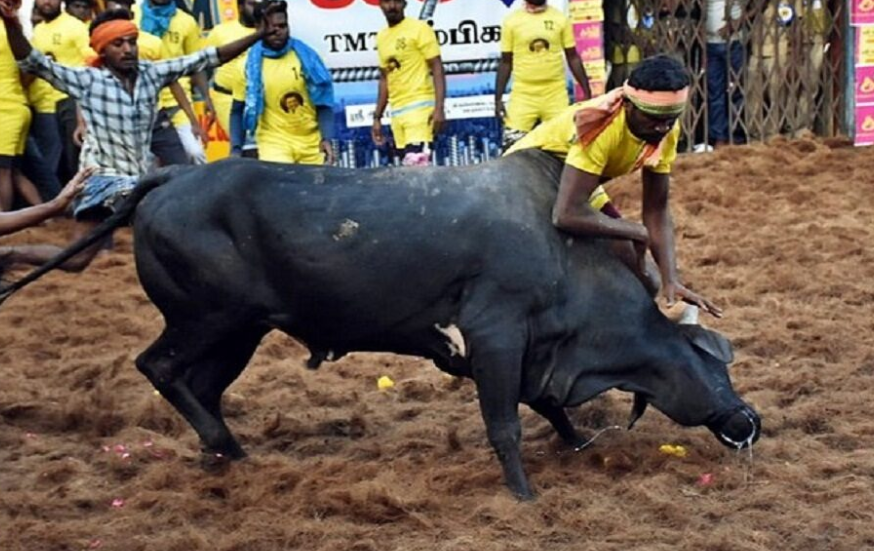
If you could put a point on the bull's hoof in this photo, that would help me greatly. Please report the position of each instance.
(218, 463)
(526, 496)
(215, 463)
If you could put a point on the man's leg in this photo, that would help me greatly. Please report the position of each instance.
(717, 93)
(47, 134)
(25, 188)
(14, 126)
(419, 136)
(6, 189)
(166, 145)
(522, 115)
(67, 122)
(398, 131)
(222, 102)
(37, 255)
(735, 91)
(38, 171)
(305, 149)
(274, 152)
(553, 102)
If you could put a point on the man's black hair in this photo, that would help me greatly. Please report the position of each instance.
(107, 16)
(263, 9)
(128, 3)
(660, 73)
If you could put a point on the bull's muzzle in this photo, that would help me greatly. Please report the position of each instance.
(739, 428)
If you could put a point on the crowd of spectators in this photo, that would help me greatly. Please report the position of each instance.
(761, 63)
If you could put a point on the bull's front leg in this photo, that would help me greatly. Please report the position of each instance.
(498, 377)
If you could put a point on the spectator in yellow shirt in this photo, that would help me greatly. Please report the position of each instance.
(632, 127)
(65, 39)
(283, 98)
(180, 34)
(15, 119)
(411, 80)
(223, 82)
(535, 42)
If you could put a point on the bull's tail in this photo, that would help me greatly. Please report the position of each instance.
(121, 216)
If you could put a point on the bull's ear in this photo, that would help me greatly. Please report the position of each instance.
(709, 341)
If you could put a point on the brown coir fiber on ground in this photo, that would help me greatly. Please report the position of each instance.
(778, 234)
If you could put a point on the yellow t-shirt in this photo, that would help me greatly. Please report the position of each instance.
(10, 80)
(150, 47)
(64, 39)
(613, 153)
(403, 53)
(225, 34)
(182, 38)
(537, 42)
(288, 110)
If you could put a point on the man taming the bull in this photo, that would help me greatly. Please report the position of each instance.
(118, 96)
(632, 127)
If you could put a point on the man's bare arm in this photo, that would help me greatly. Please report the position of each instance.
(573, 214)
(18, 43)
(576, 66)
(505, 69)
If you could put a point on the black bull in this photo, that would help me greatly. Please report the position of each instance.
(459, 265)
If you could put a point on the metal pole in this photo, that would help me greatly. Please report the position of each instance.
(850, 77)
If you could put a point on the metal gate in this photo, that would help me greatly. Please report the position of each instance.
(772, 67)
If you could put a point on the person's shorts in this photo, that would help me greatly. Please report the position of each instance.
(101, 196)
(412, 124)
(291, 149)
(14, 125)
(525, 109)
(166, 144)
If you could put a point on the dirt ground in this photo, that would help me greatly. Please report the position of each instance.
(92, 458)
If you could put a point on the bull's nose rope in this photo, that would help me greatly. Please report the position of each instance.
(588, 442)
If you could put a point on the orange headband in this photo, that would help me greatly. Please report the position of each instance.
(104, 34)
(657, 103)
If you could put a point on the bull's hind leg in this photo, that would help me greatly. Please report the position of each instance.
(210, 377)
(191, 368)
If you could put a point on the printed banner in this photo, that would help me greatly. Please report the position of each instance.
(587, 19)
(864, 85)
(865, 45)
(864, 125)
(344, 31)
(585, 10)
(468, 107)
(861, 12)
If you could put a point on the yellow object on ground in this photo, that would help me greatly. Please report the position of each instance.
(385, 383)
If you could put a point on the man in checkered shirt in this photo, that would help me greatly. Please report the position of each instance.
(118, 96)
